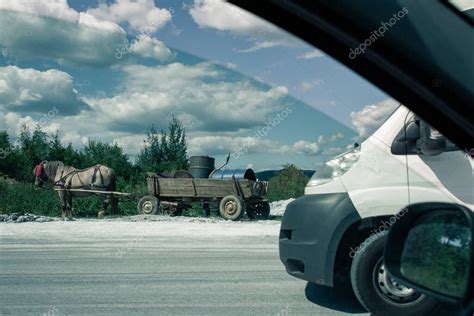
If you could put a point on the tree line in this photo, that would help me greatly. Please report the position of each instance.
(163, 151)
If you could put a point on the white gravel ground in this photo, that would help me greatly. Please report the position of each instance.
(141, 225)
(147, 225)
(277, 208)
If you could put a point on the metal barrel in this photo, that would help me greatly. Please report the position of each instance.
(239, 174)
(201, 166)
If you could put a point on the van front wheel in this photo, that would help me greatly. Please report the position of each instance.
(377, 291)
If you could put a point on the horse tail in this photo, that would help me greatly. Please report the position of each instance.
(113, 200)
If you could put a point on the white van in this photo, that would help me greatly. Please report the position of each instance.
(335, 233)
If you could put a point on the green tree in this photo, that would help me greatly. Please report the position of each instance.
(34, 145)
(56, 150)
(164, 151)
(174, 147)
(5, 153)
(73, 157)
(111, 155)
(287, 183)
(32, 148)
(150, 156)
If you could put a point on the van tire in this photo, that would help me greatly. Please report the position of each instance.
(367, 276)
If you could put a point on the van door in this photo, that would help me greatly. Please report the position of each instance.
(444, 177)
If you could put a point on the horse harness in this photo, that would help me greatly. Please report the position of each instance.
(65, 181)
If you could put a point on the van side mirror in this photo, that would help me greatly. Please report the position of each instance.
(431, 142)
(405, 142)
(430, 249)
(412, 132)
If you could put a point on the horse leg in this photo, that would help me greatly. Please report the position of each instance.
(69, 206)
(113, 200)
(114, 205)
(105, 204)
(62, 200)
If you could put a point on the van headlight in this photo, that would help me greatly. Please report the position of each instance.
(335, 167)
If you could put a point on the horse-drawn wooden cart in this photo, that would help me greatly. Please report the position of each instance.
(234, 197)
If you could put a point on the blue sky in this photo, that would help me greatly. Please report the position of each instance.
(223, 72)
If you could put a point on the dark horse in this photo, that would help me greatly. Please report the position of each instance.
(65, 178)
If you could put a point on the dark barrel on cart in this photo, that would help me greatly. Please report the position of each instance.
(238, 174)
(201, 166)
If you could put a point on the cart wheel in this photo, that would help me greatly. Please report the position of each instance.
(258, 210)
(148, 205)
(232, 207)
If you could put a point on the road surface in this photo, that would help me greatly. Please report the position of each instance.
(165, 267)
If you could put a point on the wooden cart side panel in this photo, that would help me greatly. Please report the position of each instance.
(205, 188)
(176, 187)
(151, 184)
(217, 188)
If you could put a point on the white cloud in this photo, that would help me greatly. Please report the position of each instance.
(223, 16)
(322, 139)
(22, 34)
(34, 91)
(56, 9)
(197, 94)
(227, 17)
(306, 147)
(367, 120)
(131, 144)
(54, 30)
(152, 48)
(231, 65)
(332, 151)
(261, 45)
(74, 138)
(218, 145)
(141, 15)
(14, 122)
(310, 84)
(312, 54)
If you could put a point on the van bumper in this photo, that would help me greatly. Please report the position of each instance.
(311, 230)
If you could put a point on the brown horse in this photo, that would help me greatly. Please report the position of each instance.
(65, 178)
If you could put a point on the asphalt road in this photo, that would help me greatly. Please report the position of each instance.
(53, 269)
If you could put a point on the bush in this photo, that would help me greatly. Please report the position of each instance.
(288, 183)
(25, 197)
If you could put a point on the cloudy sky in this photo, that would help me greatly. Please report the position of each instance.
(106, 70)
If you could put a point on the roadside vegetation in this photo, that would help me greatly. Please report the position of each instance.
(287, 183)
(163, 151)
